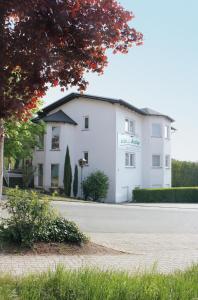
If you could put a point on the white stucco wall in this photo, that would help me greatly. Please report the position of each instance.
(127, 178)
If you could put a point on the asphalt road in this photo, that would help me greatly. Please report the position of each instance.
(156, 219)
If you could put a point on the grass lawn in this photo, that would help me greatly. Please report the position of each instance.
(97, 285)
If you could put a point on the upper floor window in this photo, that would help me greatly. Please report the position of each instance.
(156, 161)
(41, 142)
(167, 161)
(129, 126)
(55, 138)
(86, 123)
(86, 156)
(129, 159)
(167, 132)
(156, 130)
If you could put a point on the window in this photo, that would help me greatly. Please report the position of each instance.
(86, 156)
(55, 138)
(167, 161)
(166, 132)
(54, 175)
(156, 161)
(40, 174)
(129, 126)
(156, 130)
(129, 159)
(86, 122)
(41, 142)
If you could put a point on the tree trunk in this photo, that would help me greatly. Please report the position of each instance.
(1, 155)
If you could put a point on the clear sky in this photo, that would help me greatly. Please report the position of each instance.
(161, 74)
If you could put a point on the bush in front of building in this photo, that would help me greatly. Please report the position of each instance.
(166, 195)
(31, 220)
(95, 186)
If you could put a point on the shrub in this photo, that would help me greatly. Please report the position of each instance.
(31, 219)
(166, 195)
(96, 186)
(67, 181)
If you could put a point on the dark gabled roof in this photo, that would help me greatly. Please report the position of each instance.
(58, 117)
(72, 96)
(151, 112)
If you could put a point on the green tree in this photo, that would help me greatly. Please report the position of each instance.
(21, 138)
(75, 183)
(67, 174)
(184, 173)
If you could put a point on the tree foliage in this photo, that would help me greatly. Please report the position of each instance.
(21, 138)
(67, 174)
(184, 173)
(56, 42)
(75, 183)
(95, 186)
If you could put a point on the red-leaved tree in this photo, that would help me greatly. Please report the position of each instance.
(55, 42)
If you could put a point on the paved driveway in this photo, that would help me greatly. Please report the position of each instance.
(162, 235)
(133, 218)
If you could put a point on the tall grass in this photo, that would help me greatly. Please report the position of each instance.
(96, 285)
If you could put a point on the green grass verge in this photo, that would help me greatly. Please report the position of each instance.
(97, 285)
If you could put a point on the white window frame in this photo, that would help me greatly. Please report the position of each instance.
(169, 161)
(131, 161)
(167, 132)
(58, 148)
(129, 127)
(152, 131)
(84, 152)
(160, 157)
(84, 123)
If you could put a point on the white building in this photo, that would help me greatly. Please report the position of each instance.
(131, 146)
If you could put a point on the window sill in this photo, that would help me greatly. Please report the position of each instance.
(85, 129)
(156, 137)
(130, 167)
(156, 168)
(39, 150)
(167, 168)
(55, 150)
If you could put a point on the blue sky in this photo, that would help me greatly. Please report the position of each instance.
(161, 74)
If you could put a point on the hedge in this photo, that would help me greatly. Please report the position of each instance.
(166, 195)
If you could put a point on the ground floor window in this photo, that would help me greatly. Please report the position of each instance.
(129, 159)
(156, 161)
(40, 174)
(54, 175)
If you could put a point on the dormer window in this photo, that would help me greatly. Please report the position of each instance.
(86, 122)
(129, 126)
